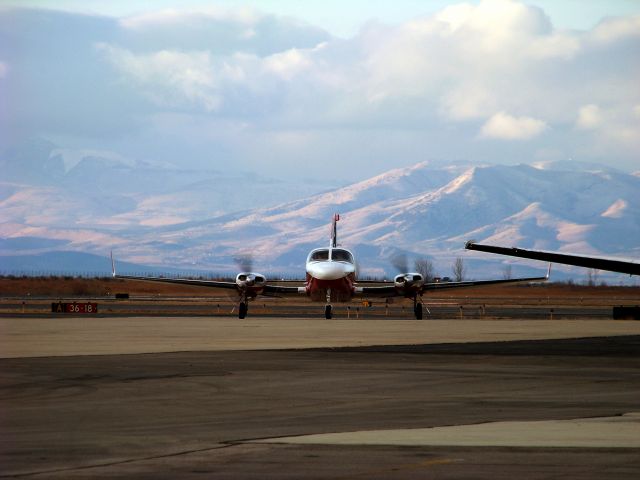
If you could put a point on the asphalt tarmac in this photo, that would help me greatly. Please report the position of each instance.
(508, 399)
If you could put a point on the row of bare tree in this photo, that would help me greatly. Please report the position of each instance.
(425, 267)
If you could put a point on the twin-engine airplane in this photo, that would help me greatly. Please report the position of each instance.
(330, 277)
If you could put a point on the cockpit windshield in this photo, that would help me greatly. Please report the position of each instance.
(337, 255)
(319, 255)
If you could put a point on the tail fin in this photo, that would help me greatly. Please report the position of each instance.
(334, 230)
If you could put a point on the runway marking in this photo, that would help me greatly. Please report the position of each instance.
(601, 432)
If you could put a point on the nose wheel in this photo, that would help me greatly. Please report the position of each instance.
(327, 307)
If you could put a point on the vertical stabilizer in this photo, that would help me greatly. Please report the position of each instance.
(334, 230)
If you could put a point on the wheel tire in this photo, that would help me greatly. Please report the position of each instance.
(418, 311)
(327, 312)
(242, 310)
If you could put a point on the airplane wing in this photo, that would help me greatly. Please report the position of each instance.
(478, 283)
(267, 289)
(280, 290)
(182, 281)
(391, 290)
(599, 263)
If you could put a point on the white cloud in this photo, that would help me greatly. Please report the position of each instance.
(468, 102)
(288, 64)
(201, 80)
(464, 63)
(4, 69)
(556, 45)
(506, 127)
(171, 16)
(218, 30)
(170, 77)
(614, 29)
(589, 117)
(471, 60)
(615, 128)
(426, 88)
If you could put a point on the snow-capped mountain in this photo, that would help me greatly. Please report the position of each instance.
(432, 211)
(424, 210)
(45, 187)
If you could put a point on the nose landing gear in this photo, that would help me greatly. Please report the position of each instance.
(327, 307)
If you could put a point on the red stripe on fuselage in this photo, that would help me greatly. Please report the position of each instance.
(342, 289)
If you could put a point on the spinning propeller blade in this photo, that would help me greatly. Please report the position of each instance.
(400, 263)
(244, 262)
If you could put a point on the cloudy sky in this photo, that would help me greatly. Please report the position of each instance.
(303, 89)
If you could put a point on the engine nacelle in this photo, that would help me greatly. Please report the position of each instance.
(250, 281)
(409, 282)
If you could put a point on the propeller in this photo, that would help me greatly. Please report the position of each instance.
(400, 263)
(244, 262)
(410, 283)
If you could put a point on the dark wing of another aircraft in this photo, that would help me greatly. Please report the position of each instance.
(599, 263)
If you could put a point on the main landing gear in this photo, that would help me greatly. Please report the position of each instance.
(417, 308)
(243, 307)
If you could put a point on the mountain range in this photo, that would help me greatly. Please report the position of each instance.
(161, 216)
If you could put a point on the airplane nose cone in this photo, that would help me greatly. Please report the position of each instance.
(329, 270)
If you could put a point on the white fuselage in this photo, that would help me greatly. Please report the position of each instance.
(330, 274)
